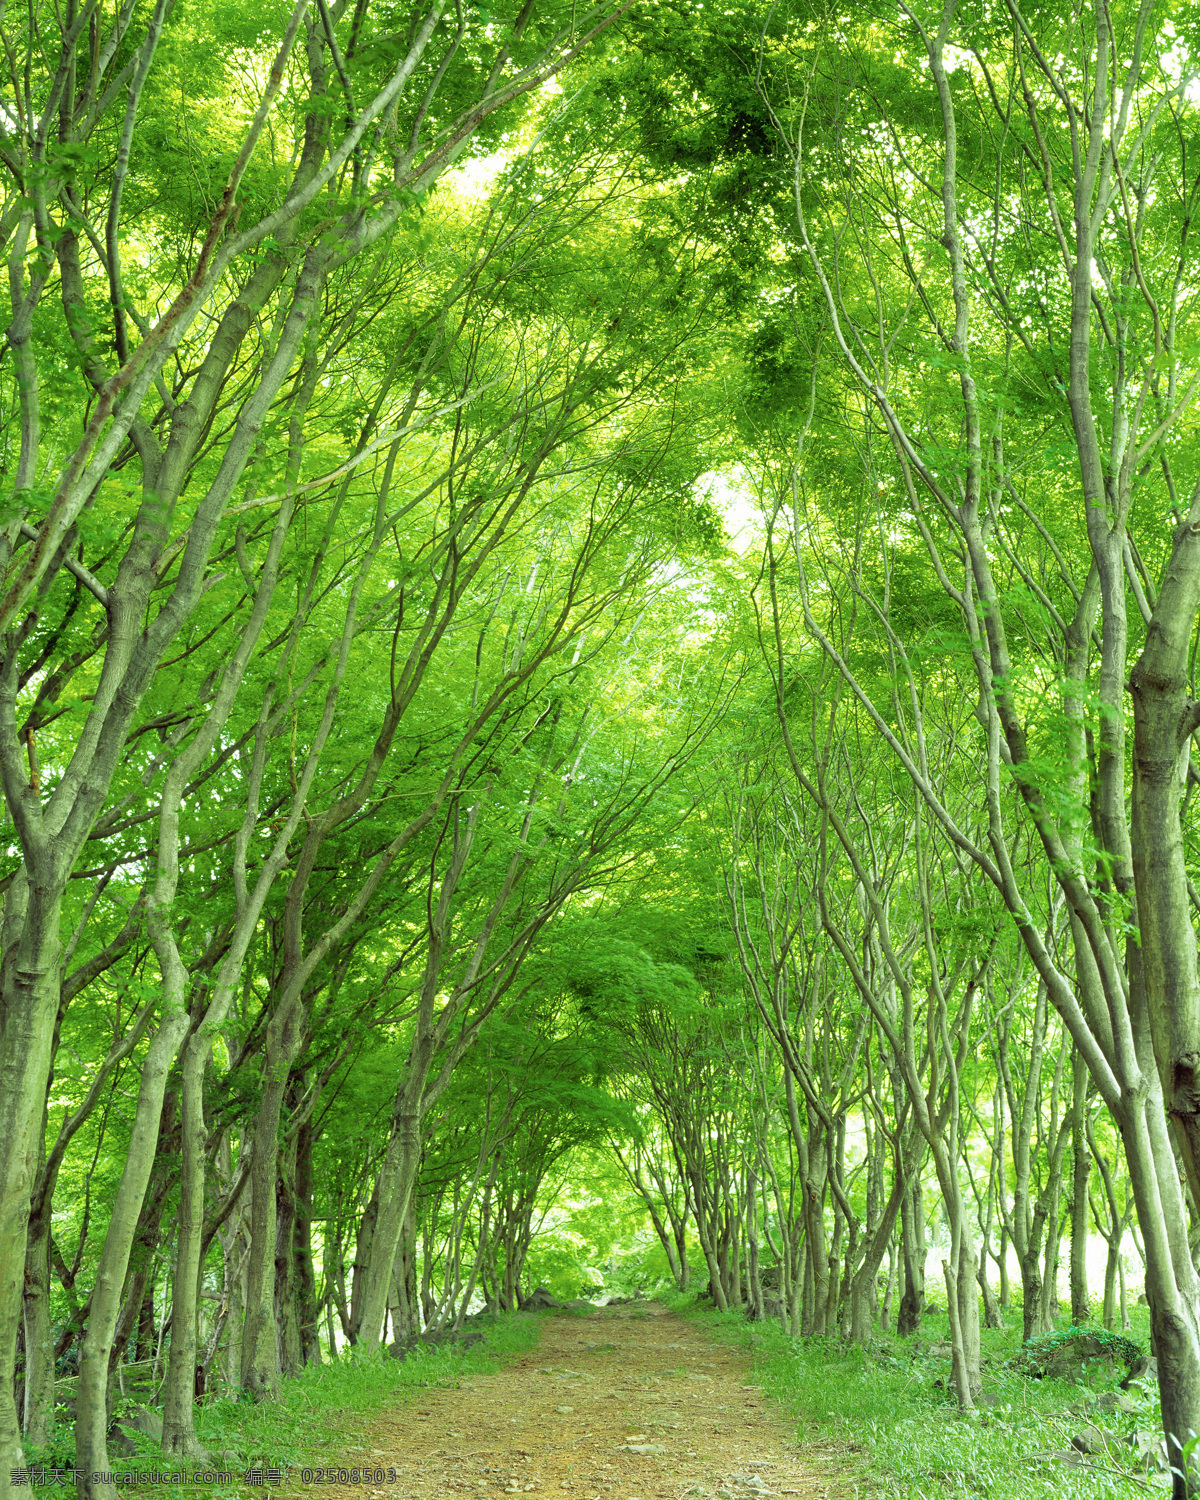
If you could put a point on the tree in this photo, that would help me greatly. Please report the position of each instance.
(168, 373)
(1055, 298)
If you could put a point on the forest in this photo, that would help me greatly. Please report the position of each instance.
(599, 616)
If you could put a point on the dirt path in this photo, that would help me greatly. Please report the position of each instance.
(629, 1403)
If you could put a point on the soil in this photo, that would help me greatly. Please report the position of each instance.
(627, 1403)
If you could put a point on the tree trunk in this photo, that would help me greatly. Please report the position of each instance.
(889, 1292)
(394, 1186)
(752, 1272)
(260, 1368)
(1029, 1258)
(991, 1308)
(960, 1362)
(179, 1431)
(1081, 1176)
(29, 995)
(912, 1255)
(305, 1276)
(91, 1409)
(38, 1330)
(234, 1255)
(287, 1313)
(1002, 1261)
(145, 1338)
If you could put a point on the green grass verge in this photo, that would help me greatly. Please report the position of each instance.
(893, 1405)
(316, 1420)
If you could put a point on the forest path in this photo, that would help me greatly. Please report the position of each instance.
(627, 1403)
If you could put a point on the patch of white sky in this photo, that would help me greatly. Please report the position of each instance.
(475, 177)
(731, 491)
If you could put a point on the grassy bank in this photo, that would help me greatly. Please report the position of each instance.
(316, 1420)
(893, 1408)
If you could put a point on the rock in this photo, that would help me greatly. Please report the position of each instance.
(1150, 1448)
(1144, 1368)
(1079, 1353)
(1115, 1401)
(144, 1421)
(1079, 1357)
(1088, 1440)
(1071, 1457)
(580, 1304)
(940, 1351)
(436, 1338)
(540, 1298)
(989, 1400)
(932, 1310)
(139, 1421)
(771, 1308)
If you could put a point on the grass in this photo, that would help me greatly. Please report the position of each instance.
(316, 1420)
(894, 1405)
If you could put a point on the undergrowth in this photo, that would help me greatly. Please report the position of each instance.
(893, 1405)
(318, 1419)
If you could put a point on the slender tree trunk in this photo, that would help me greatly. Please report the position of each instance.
(179, 1431)
(306, 1280)
(259, 1371)
(38, 1329)
(91, 1409)
(1124, 1295)
(1029, 1258)
(29, 995)
(395, 1184)
(752, 1272)
(960, 1362)
(1081, 1176)
(889, 1291)
(991, 1308)
(287, 1315)
(912, 1254)
(1002, 1261)
(234, 1255)
(817, 1256)
(145, 1339)
(1110, 1283)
